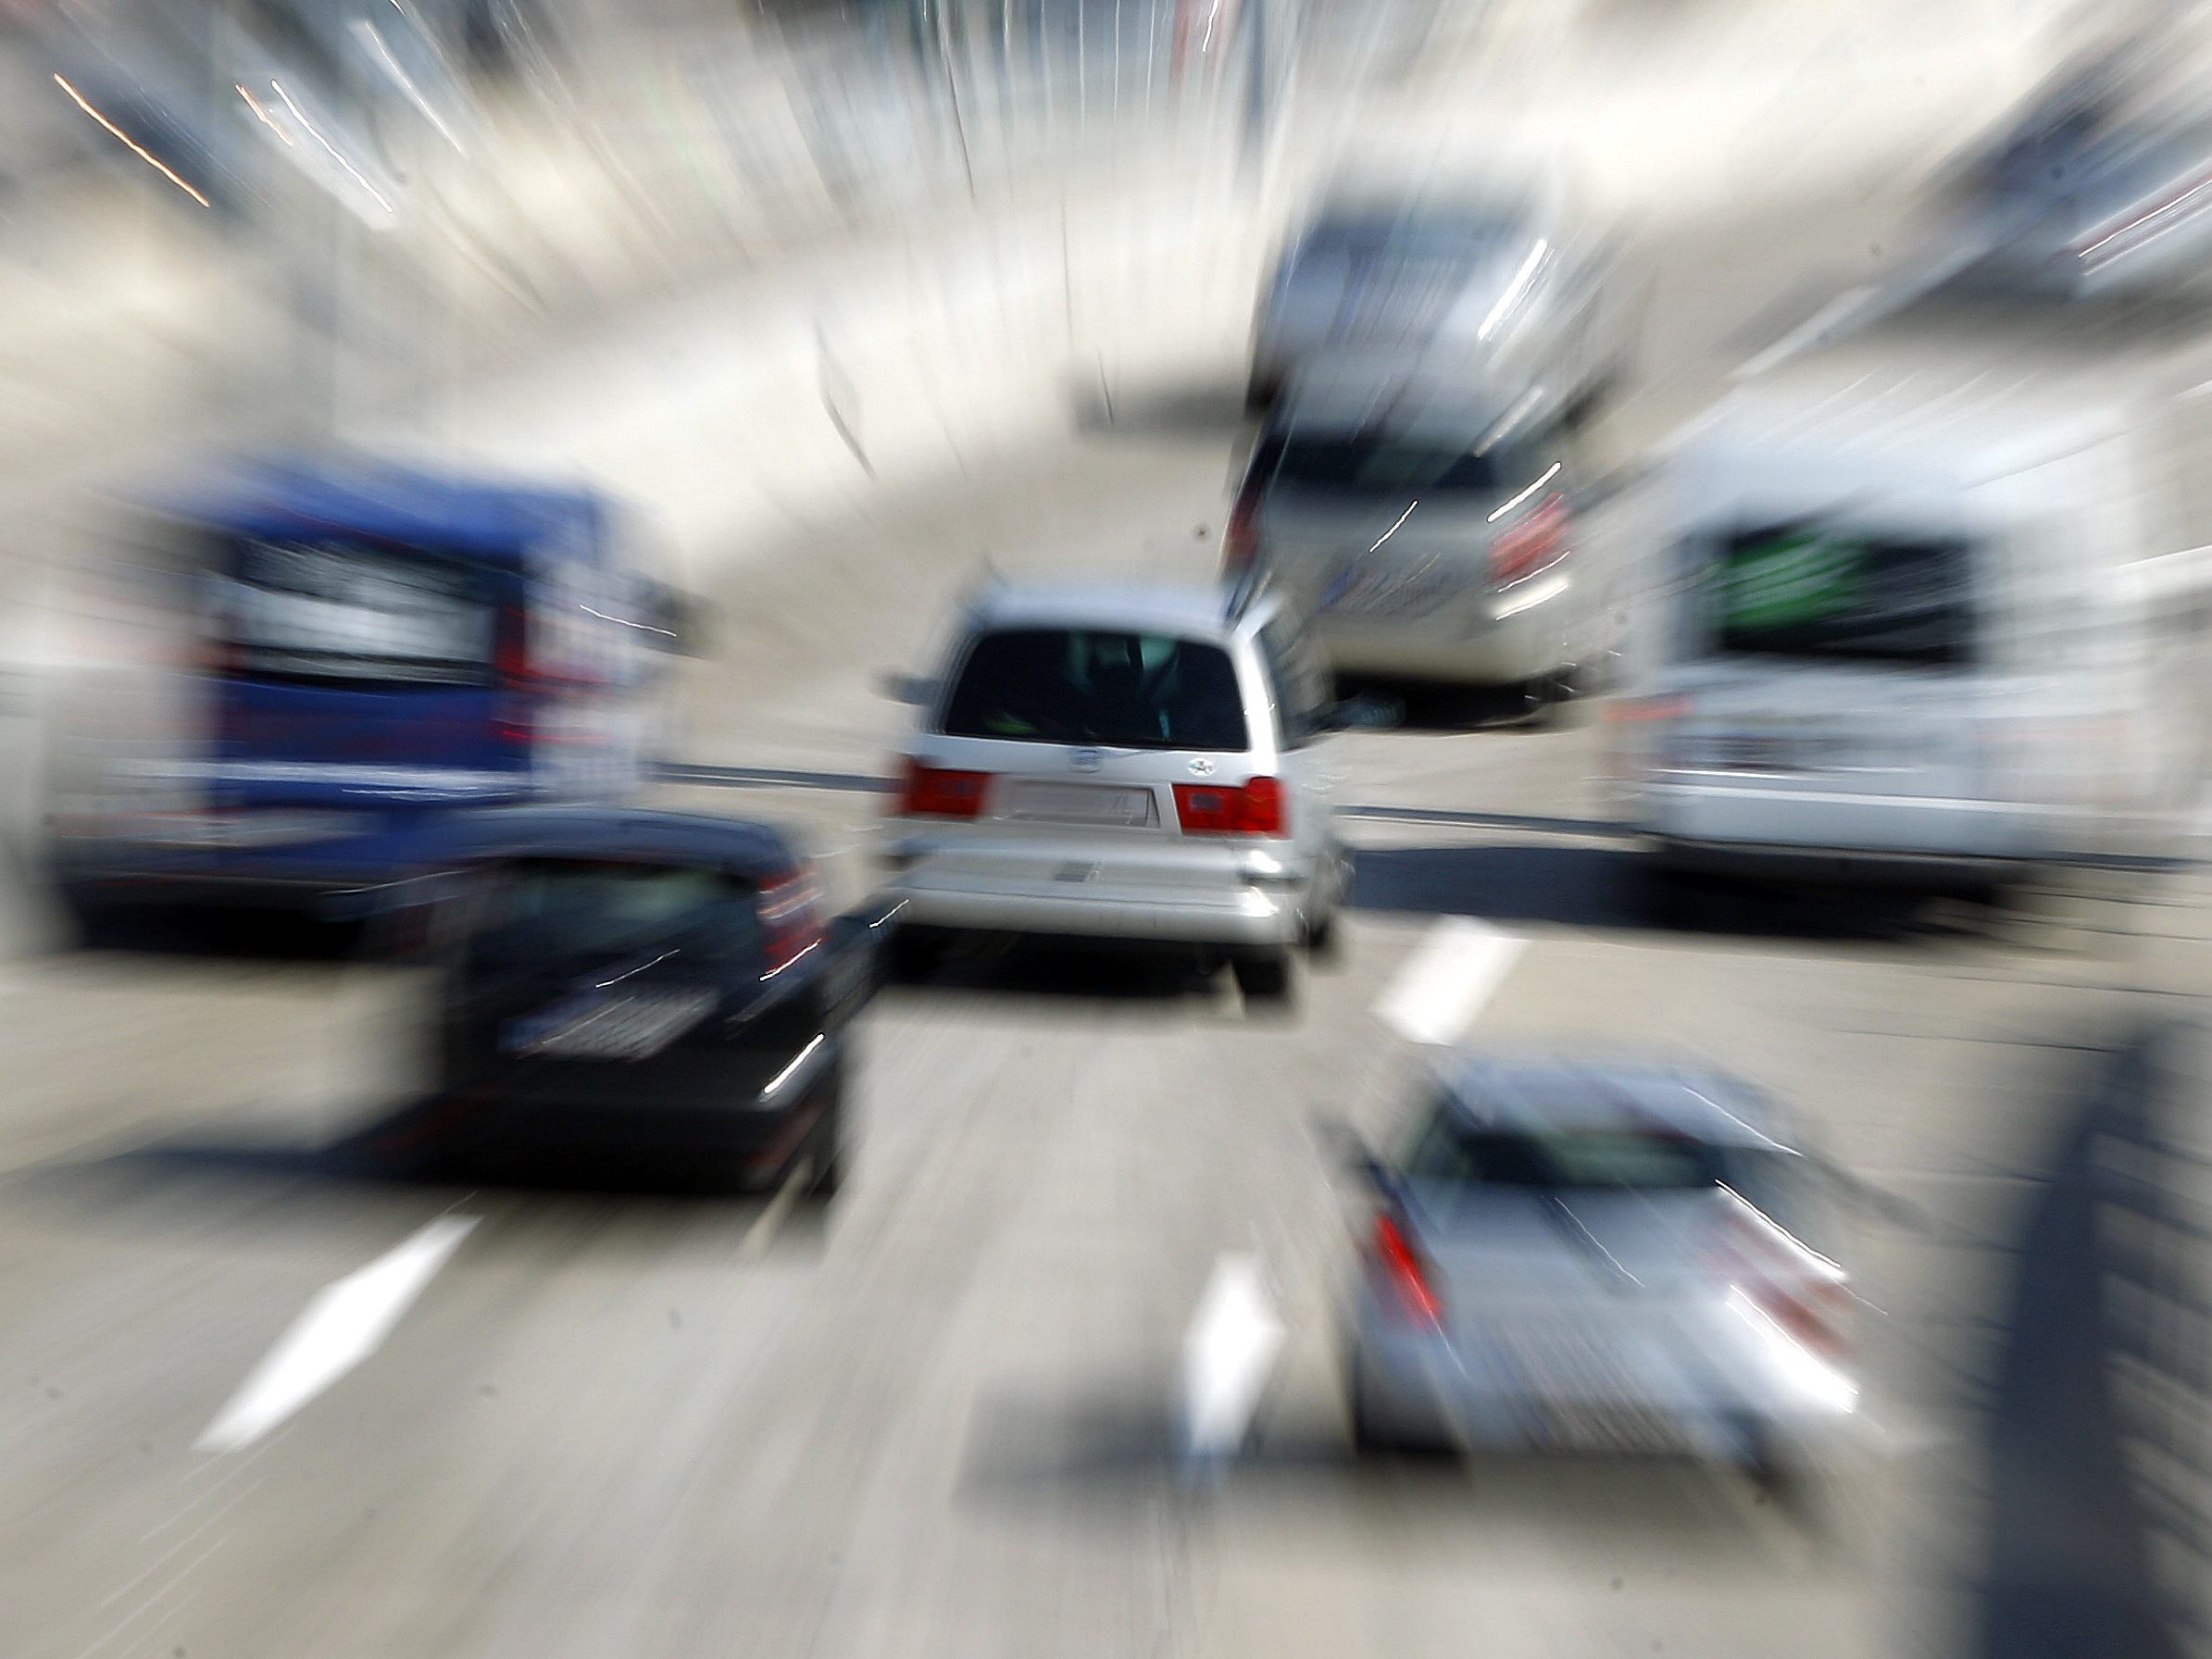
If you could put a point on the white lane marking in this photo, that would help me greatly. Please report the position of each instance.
(1226, 1358)
(1444, 983)
(340, 1329)
(177, 1548)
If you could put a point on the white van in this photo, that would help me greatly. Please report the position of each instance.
(1935, 624)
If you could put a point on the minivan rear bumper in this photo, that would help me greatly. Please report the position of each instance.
(1249, 914)
(1474, 644)
(1816, 833)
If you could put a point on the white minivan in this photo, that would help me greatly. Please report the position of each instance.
(1934, 623)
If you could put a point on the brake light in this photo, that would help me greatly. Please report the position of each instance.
(940, 792)
(510, 655)
(1803, 1294)
(1240, 541)
(1256, 808)
(1536, 541)
(790, 915)
(1813, 1314)
(1402, 1269)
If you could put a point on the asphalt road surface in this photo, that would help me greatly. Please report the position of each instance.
(602, 1420)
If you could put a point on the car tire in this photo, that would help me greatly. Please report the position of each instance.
(1262, 392)
(827, 1150)
(1665, 896)
(916, 952)
(1378, 1437)
(1324, 936)
(1263, 976)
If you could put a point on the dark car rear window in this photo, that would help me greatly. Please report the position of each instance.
(1817, 592)
(1398, 469)
(1135, 690)
(560, 909)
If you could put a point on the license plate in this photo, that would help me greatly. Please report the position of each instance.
(594, 1027)
(1736, 752)
(1080, 803)
(1358, 591)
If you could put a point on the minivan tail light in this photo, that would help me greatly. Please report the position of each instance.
(1404, 1273)
(942, 792)
(1254, 808)
(790, 916)
(1536, 541)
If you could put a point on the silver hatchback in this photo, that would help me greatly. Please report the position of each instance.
(1611, 1258)
(1121, 762)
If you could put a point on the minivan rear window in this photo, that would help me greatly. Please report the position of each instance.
(1397, 469)
(1825, 592)
(1133, 691)
(354, 613)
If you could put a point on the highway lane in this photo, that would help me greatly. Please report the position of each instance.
(619, 1421)
(940, 1423)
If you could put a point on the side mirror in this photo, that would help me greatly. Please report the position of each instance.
(914, 690)
(1363, 713)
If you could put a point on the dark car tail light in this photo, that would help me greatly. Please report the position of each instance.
(942, 792)
(1525, 547)
(1256, 808)
(1402, 1272)
(1240, 541)
(790, 915)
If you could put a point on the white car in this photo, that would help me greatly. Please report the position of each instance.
(1498, 285)
(1436, 539)
(1919, 620)
(1620, 1257)
(1121, 762)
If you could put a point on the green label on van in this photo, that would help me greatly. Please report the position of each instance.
(1801, 578)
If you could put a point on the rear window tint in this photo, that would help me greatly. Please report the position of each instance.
(1135, 690)
(350, 613)
(1396, 469)
(547, 908)
(1834, 593)
(1454, 1152)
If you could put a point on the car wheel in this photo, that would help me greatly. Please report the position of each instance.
(1263, 976)
(828, 1174)
(1262, 392)
(1324, 938)
(1664, 897)
(1380, 1436)
(916, 952)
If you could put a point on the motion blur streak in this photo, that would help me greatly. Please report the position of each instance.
(128, 143)
(1215, 828)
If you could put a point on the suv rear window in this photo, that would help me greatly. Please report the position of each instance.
(1397, 469)
(1123, 691)
(1816, 592)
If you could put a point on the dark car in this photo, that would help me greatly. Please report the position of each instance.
(653, 986)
